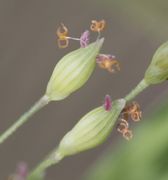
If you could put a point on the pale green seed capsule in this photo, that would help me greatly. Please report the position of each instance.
(72, 71)
(91, 130)
(157, 71)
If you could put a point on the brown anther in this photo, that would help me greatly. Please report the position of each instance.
(133, 110)
(122, 126)
(125, 115)
(63, 43)
(136, 116)
(97, 26)
(134, 107)
(109, 64)
(127, 134)
(62, 33)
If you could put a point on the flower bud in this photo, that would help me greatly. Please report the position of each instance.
(91, 130)
(72, 71)
(157, 71)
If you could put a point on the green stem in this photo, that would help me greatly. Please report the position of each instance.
(39, 172)
(139, 88)
(37, 106)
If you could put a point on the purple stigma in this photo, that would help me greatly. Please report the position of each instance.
(107, 103)
(22, 171)
(84, 39)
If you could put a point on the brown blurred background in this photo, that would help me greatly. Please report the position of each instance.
(28, 54)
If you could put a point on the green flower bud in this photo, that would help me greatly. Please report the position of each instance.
(157, 71)
(72, 71)
(91, 130)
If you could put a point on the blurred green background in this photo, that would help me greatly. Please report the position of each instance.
(28, 54)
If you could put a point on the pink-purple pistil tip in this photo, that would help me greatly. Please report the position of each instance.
(22, 171)
(107, 103)
(84, 39)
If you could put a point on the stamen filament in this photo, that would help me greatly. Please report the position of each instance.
(76, 39)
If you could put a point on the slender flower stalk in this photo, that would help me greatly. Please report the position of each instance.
(156, 72)
(39, 172)
(138, 89)
(37, 106)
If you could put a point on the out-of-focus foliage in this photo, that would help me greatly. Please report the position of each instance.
(150, 16)
(144, 158)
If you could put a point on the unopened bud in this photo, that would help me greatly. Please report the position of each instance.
(157, 71)
(72, 71)
(91, 130)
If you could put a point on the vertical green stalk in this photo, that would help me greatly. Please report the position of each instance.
(37, 106)
(138, 89)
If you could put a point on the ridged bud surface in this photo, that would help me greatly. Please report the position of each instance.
(72, 71)
(91, 130)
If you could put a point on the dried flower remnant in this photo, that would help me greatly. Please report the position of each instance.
(63, 38)
(108, 62)
(107, 103)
